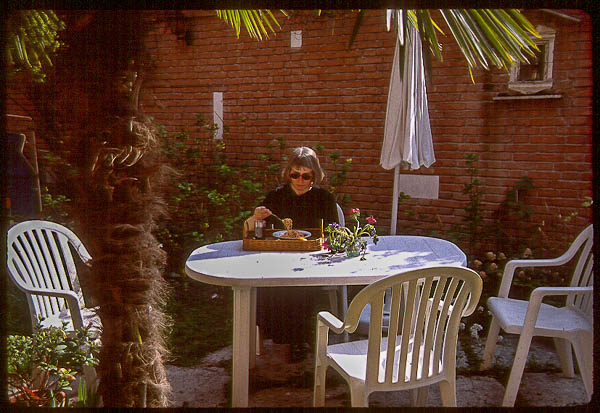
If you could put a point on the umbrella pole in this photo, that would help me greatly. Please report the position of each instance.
(394, 219)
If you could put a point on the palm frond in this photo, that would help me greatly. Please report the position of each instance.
(31, 41)
(485, 36)
(258, 23)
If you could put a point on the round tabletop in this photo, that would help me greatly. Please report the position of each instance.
(225, 263)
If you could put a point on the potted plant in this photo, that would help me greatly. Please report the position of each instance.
(344, 239)
(42, 366)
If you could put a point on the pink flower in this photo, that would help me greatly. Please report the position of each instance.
(355, 211)
(371, 220)
(325, 245)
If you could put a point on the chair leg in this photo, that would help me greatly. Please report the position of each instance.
(319, 385)
(490, 345)
(358, 396)
(512, 387)
(563, 349)
(259, 342)
(583, 346)
(418, 396)
(320, 365)
(448, 392)
(422, 396)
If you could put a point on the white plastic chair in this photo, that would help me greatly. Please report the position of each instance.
(569, 325)
(41, 265)
(374, 364)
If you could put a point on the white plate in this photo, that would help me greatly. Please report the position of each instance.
(281, 234)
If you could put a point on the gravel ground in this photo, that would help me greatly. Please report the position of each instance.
(275, 383)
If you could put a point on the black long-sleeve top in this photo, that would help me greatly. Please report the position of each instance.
(305, 210)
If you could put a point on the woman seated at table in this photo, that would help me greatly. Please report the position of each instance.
(286, 314)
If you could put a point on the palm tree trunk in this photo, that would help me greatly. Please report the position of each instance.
(127, 276)
(92, 125)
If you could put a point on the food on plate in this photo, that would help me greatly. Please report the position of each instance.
(287, 223)
(291, 233)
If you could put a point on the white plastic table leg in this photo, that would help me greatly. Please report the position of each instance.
(242, 303)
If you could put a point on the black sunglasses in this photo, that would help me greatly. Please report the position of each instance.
(305, 176)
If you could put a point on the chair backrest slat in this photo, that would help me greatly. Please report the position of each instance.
(429, 341)
(407, 324)
(19, 267)
(442, 325)
(586, 248)
(49, 263)
(581, 277)
(45, 305)
(417, 330)
(69, 263)
(54, 262)
(396, 298)
(375, 336)
(585, 302)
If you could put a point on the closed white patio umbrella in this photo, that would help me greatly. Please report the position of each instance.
(407, 141)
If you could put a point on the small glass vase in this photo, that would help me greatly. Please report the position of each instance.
(353, 250)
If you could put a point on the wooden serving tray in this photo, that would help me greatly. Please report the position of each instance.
(270, 243)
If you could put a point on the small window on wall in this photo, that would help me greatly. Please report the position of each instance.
(537, 75)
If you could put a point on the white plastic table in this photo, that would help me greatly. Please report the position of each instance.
(225, 263)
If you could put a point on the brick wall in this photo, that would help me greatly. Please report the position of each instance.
(326, 93)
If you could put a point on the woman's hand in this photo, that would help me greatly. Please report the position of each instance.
(261, 213)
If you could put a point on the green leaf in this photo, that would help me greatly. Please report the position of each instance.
(254, 21)
(520, 19)
(429, 32)
(463, 40)
(503, 18)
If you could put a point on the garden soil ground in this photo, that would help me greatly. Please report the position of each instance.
(277, 383)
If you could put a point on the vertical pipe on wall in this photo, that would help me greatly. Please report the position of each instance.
(218, 114)
(394, 219)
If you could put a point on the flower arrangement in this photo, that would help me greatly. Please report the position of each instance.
(343, 239)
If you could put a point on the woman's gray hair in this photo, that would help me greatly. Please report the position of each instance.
(307, 158)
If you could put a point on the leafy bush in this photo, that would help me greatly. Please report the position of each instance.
(211, 198)
(40, 367)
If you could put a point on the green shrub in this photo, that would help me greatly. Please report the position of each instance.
(43, 365)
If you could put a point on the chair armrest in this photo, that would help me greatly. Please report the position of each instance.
(511, 266)
(541, 292)
(66, 294)
(535, 301)
(331, 321)
(70, 297)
